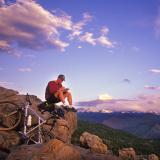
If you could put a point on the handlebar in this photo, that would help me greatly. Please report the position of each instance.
(28, 99)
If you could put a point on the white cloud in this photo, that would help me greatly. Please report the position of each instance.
(152, 87)
(77, 28)
(6, 83)
(104, 41)
(5, 47)
(59, 44)
(31, 27)
(24, 69)
(87, 17)
(104, 30)
(79, 47)
(88, 37)
(104, 97)
(143, 103)
(36, 28)
(157, 71)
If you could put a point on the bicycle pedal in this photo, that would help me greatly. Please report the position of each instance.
(42, 112)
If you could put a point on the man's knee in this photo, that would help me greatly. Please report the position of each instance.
(58, 93)
(67, 94)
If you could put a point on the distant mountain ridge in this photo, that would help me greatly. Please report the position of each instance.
(140, 116)
(145, 125)
(145, 103)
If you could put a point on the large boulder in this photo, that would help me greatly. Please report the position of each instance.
(8, 139)
(61, 130)
(64, 127)
(153, 157)
(15, 97)
(71, 118)
(53, 150)
(86, 154)
(127, 153)
(6, 94)
(93, 142)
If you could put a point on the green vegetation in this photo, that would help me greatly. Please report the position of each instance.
(116, 139)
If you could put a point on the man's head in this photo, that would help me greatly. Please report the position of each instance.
(61, 77)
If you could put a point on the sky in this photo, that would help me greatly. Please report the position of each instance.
(105, 48)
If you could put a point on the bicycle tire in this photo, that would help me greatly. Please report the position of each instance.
(33, 138)
(10, 116)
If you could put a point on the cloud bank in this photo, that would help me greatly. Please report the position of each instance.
(157, 71)
(34, 27)
(152, 87)
(31, 27)
(27, 69)
(143, 103)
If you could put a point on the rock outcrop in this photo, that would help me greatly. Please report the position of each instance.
(93, 142)
(127, 153)
(153, 157)
(53, 150)
(63, 128)
(86, 154)
(9, 139)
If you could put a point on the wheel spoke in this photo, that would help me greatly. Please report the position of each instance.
(10, 116)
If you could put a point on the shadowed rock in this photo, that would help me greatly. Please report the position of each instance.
(153, 157)
(53, 150)
(127, 153)
(93, 142)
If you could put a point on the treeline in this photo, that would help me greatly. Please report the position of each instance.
(117, 139)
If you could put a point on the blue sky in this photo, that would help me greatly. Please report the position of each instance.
(104, 47)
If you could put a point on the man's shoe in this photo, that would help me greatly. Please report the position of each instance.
(73, 109)
(66, 107)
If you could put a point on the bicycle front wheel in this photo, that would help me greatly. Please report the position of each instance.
(10, 116)
(43, 137)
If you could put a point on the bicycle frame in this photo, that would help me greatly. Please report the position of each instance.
(41, 121)
(30, 132)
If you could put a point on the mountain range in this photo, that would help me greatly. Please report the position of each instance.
(145, 125)
(140, 117)
(143, 103)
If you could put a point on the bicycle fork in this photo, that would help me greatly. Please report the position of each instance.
(40, 140)
(25, 119)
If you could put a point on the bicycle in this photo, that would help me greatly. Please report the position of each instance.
(11, 117)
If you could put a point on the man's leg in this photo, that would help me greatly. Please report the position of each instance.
(59, 94)
(69, 98)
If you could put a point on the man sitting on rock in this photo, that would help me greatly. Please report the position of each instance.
(56, 92)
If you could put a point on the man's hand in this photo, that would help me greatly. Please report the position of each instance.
(64, 89)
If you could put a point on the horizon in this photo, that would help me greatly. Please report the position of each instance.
(108, 50)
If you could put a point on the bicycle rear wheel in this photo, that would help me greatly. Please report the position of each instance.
(10, 116)
(34, 137)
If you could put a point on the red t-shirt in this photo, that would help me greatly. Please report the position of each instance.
(54, 87)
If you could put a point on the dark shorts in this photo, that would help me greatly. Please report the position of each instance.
(53, 99)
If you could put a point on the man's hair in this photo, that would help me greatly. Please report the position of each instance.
(62, 77)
